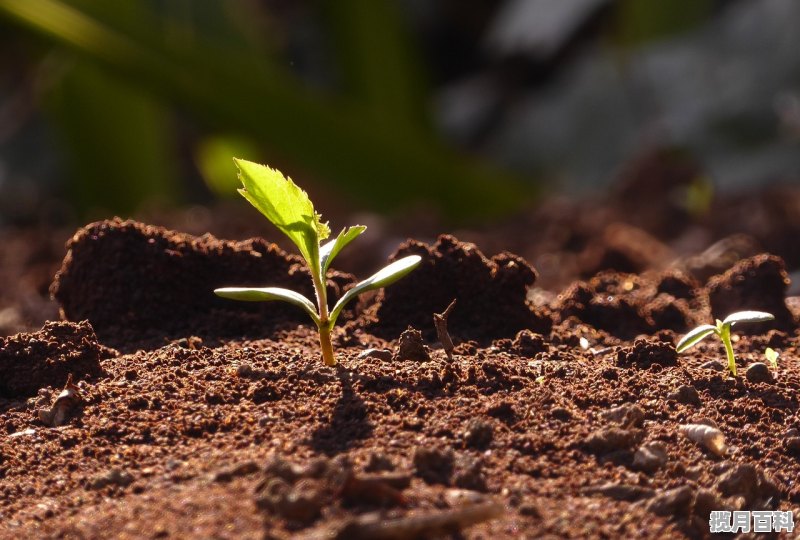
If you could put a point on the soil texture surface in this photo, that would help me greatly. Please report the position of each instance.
(156, 410)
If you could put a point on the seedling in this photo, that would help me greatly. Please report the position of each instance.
(723, 330)
(289, 208)
(772, 357)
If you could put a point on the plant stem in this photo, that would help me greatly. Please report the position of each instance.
(725, 335)
(324, 327)
(326, 345)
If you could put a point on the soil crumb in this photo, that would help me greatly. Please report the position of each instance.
(491, 294)
(136, 282)
(758, 283)
(32, 361)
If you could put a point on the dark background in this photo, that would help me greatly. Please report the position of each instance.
(465, 109)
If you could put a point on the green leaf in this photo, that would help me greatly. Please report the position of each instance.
(772, 357)
(694, 336)
(286, 206)
(331, 249)
(264, 294)
(382, 278)
(748, 317)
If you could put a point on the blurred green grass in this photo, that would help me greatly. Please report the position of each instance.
(126, 64)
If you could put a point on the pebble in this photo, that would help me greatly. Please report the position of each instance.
(714, 365)
(650, 457)
(687, 395)
(611, 439)
(562, 414)
(625, 415)
(113, 477)
(384, 355)
(758, 372)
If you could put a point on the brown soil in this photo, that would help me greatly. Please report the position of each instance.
(558, 416)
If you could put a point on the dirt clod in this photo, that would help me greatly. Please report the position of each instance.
(612, 439)
(479, 434)
(433, 465)
(758, 283)
(133, 281)
(528, 344)
(627, 415)
(491, 293)
(645, 352)
(674, 502)
(47, 357)
(115, 477)
(687, 395)
(650, 457)
(748, 481)
(411, 346)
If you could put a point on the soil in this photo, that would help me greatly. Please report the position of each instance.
(564, 412)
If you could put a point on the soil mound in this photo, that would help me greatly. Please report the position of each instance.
(627, 305)
(758, 283)
(491, 294)
(135, 282)
(45, 358)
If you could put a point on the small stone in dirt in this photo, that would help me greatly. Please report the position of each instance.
(240, 469)
(612, 439)
(621, 492)
(627, 415)
(650, 457)
(687, 395)
(528, 344)
(673, 502)
(562, 414)
(758, 372)
(713, 365)
(411, 346)
(479, 434)
(384, 355)
(434, 466)
(645, 352)
(113, 477)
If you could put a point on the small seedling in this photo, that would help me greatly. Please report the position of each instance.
(723, 330)
(772, 357)
(289, 208)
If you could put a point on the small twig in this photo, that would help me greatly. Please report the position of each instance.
(425, 525)
(440, 322)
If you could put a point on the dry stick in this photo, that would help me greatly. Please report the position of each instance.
(440, 322)
(431, 524)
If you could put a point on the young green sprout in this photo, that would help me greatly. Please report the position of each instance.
(723, 330)
(289, 208)
(772, 357)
